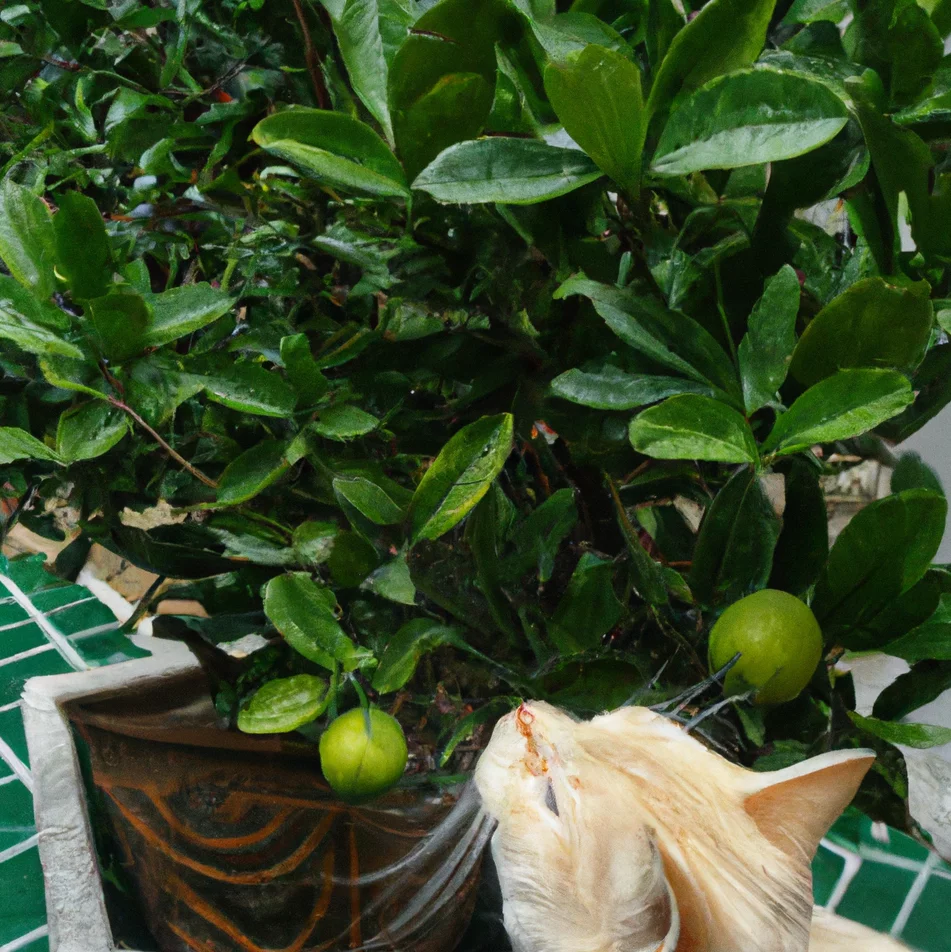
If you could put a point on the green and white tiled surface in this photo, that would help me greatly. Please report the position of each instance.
(864, 870)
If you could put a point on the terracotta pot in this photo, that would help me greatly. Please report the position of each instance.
(234, 842)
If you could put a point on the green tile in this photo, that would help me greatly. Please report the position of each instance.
(827, 867)
(14, 676)
(57, 601)
(13, 732)
(22, 638)
(109, 647)
(16, 816)
(22, 908)
(928, 926)
(40, 944)
(876, 894)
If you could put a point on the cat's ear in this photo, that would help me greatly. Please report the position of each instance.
(794, 808)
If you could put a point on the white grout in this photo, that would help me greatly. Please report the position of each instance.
(914, 894)
(17, 766)
(19, 848)
(25, 940)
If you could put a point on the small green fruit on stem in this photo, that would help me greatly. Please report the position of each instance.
(362, 754)
(779, 643)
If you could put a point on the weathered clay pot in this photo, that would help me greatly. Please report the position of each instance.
(235, 842)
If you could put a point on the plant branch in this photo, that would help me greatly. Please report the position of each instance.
(197, 473)
(312, 59)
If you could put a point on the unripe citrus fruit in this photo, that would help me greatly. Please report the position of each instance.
(362, 754)
(779, 642)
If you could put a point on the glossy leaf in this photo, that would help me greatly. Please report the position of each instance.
(89, 430)
(392, 581)
(846, 404)
(32, 326)
(460, 476)
(369, 500)
(931, 639)
(252, 389)
(589, 608)
(18, 444)
(734, 552)
(923, 684)
(333, 148)
(119, 321)
(885, 549)
(304, 612)
(407, 647)
(508, 171)
(184, 310)
(815, 11)
(920, 736)
(803, 544)
(766, 349)
(344, 423)
(285, 704)
(597, 96)
(725, 35)
(693, 427)
(302, 371)
(612, 389)
(27, 240)
(931, 383)
(83, 254)
(252, 472)
(873, 324)
(746, 118)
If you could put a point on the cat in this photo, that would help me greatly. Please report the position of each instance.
(626, 834)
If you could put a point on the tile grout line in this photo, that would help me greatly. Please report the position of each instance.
(17, 766)
(52, 611)
(23, 655)
(19, 848)
(68, 652)
(25, 940)
(852, 864)
(914, 894)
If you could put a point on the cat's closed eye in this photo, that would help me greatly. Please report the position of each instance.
(550, 800)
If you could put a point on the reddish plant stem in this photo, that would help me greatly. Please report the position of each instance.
(312, 59)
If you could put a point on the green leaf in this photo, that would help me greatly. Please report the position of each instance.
(369, 33)
(119, 321)
(920, 736)
(693, 427)
(333, 148)
(252, 472)
(930, 640)
(746, 118)
(302, 371)
(843, 405)
(507, 171)
(589, 608)
(883, 551)
(184, 310)
(597, 96)
(285, 704)
(923, 684)
(537, 539)
(252, 389)
(82, 246)
(767, 347)
(816, 11)
(442, 79)
(668, 337)
(648, 575)
(34, 327)
(406, 648)
(931, 383)
(392, 581)
(726, 35)
(460, 476)
(18, 444)
(612, 389)
(803, 544)
(343, 423)
(911, 472)
(314, 541)
(369, 499)
(734, 552)
(872, 324)
(27, 240)
(304, 612)
(489, 711)
(89, 430)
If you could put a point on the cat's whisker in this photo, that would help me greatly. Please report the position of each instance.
(713, 708)
(682, 700)
(641, 691)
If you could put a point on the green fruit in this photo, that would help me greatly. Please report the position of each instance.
(363, 754)
(779, 642)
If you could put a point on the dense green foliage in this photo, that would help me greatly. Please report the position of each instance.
(477, 350)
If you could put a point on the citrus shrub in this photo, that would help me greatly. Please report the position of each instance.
(453, 353)
(778, 641)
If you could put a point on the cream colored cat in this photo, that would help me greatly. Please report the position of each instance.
(626, 834)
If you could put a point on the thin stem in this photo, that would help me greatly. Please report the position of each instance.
(723, 317)
(143, 605)
(312, 59)
(197, 473)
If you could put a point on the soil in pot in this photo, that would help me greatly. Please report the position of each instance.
(235, 842)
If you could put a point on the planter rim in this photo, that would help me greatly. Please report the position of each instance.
(75, 903)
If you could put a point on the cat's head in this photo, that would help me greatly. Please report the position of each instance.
(626, 834)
